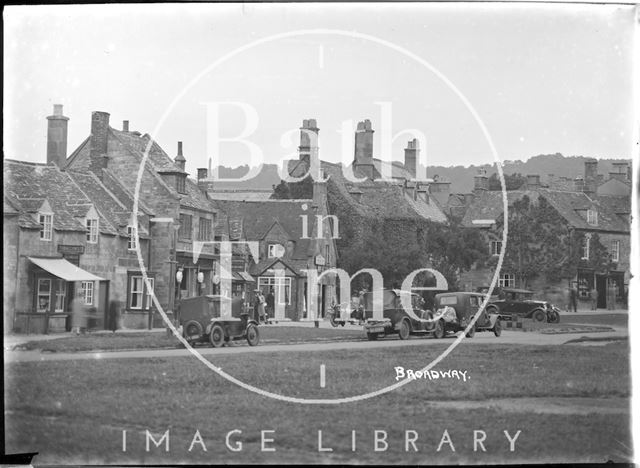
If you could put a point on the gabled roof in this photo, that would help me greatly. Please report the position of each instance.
(253, 220)
(71, 195)
(572, 206)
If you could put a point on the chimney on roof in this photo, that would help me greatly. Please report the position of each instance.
(203, 182)
(590, 176)
(440, 189)
(99, 142)
(125, 125)
(411, 153)
(57, 137)
(308, 141)
(620, 171)
(363, 158)
(423, 191)
(578, 184)
(180, 159)
(533, 181)
(480, 182)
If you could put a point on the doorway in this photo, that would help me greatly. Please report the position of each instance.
(601, 287)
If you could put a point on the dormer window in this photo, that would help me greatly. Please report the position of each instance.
(275, 251)
(92, 230)
(592, 217)
(181, 183)
(131, 243)
(46, 226)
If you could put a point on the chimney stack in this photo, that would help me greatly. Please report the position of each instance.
(620, 171)
(125, 125)
(590, 176)
(308, 141)
(411, 153)
(57, 137)
(99, 142)
(180, 159)
(440, 189)
(579, 184)
(480, 182)
(364, 149)
(533, 181)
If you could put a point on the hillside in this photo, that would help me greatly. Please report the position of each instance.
(461, 177)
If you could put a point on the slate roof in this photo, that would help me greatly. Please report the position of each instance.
(241, 195)
(572, 206)
(70, 195)
(253, 220)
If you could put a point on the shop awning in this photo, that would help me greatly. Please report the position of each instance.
(246, 276)
(64, 269)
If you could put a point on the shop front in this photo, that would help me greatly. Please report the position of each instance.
(53, 283)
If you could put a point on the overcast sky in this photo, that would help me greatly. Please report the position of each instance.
(543, 78)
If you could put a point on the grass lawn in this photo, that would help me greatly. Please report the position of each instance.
(159, 340)
(616, 320)
(75, 411)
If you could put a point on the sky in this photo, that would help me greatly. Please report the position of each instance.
(541, 78)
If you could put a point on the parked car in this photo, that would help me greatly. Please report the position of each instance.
(520, 302)
(202, 320)
(395, 319)
(455, 310)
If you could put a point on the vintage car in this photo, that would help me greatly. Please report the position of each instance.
(520, 302)
(395, 319)
(455, 310)
(202, 320)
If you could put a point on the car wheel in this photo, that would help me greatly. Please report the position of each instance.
(253, 335)
(372, 336)
(497, 328)
(539, 315)
(554, 317)
(332, 320)
(192, 328)
(428, 315)
(216, 337)
(472, 332)
(439, 331)
(405, 329)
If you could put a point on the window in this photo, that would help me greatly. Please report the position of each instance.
(592, 217)
(139, 294)
(46, 229)
(136, 294)
(86, 292)
(185, 227)
(275, 251)
(44, 295)
(180, 183)
(586, 243)
(496, 247)
(448, 300)
(92, 228)
(61, 290)
(281, 288)
(204, 229)
(615, 251)
(131, 232)
(507, 280)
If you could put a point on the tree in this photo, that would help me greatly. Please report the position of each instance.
(511, 181)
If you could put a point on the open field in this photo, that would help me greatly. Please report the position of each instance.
(570, 402)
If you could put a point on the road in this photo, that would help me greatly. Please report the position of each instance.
(508, 337)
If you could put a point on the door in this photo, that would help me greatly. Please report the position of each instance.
(103, 304)
(323, 299)
(601, 287)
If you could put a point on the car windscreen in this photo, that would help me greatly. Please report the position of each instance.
(448, 300)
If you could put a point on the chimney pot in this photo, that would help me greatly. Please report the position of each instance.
(57, 110)
(125, 125)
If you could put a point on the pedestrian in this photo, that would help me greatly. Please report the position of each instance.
(614, 294)
(594, 298)
(261, 308)
(78, 314)
(256, 305)
(573, 298)
(270, 304)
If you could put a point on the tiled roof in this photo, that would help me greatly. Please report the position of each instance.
(383, 199)
(571, 206)
(255, 219)
(241, 195)
(490, 205)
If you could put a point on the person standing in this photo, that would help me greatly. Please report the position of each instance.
(261, 308)
(594, 298)
(270, 304)
(78, 316)
(573, 298)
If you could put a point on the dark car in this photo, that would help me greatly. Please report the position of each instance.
(455, 310)
(520, 302)
(202, 319)
(395, 319)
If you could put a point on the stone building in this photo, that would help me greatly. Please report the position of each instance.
(587, 207)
